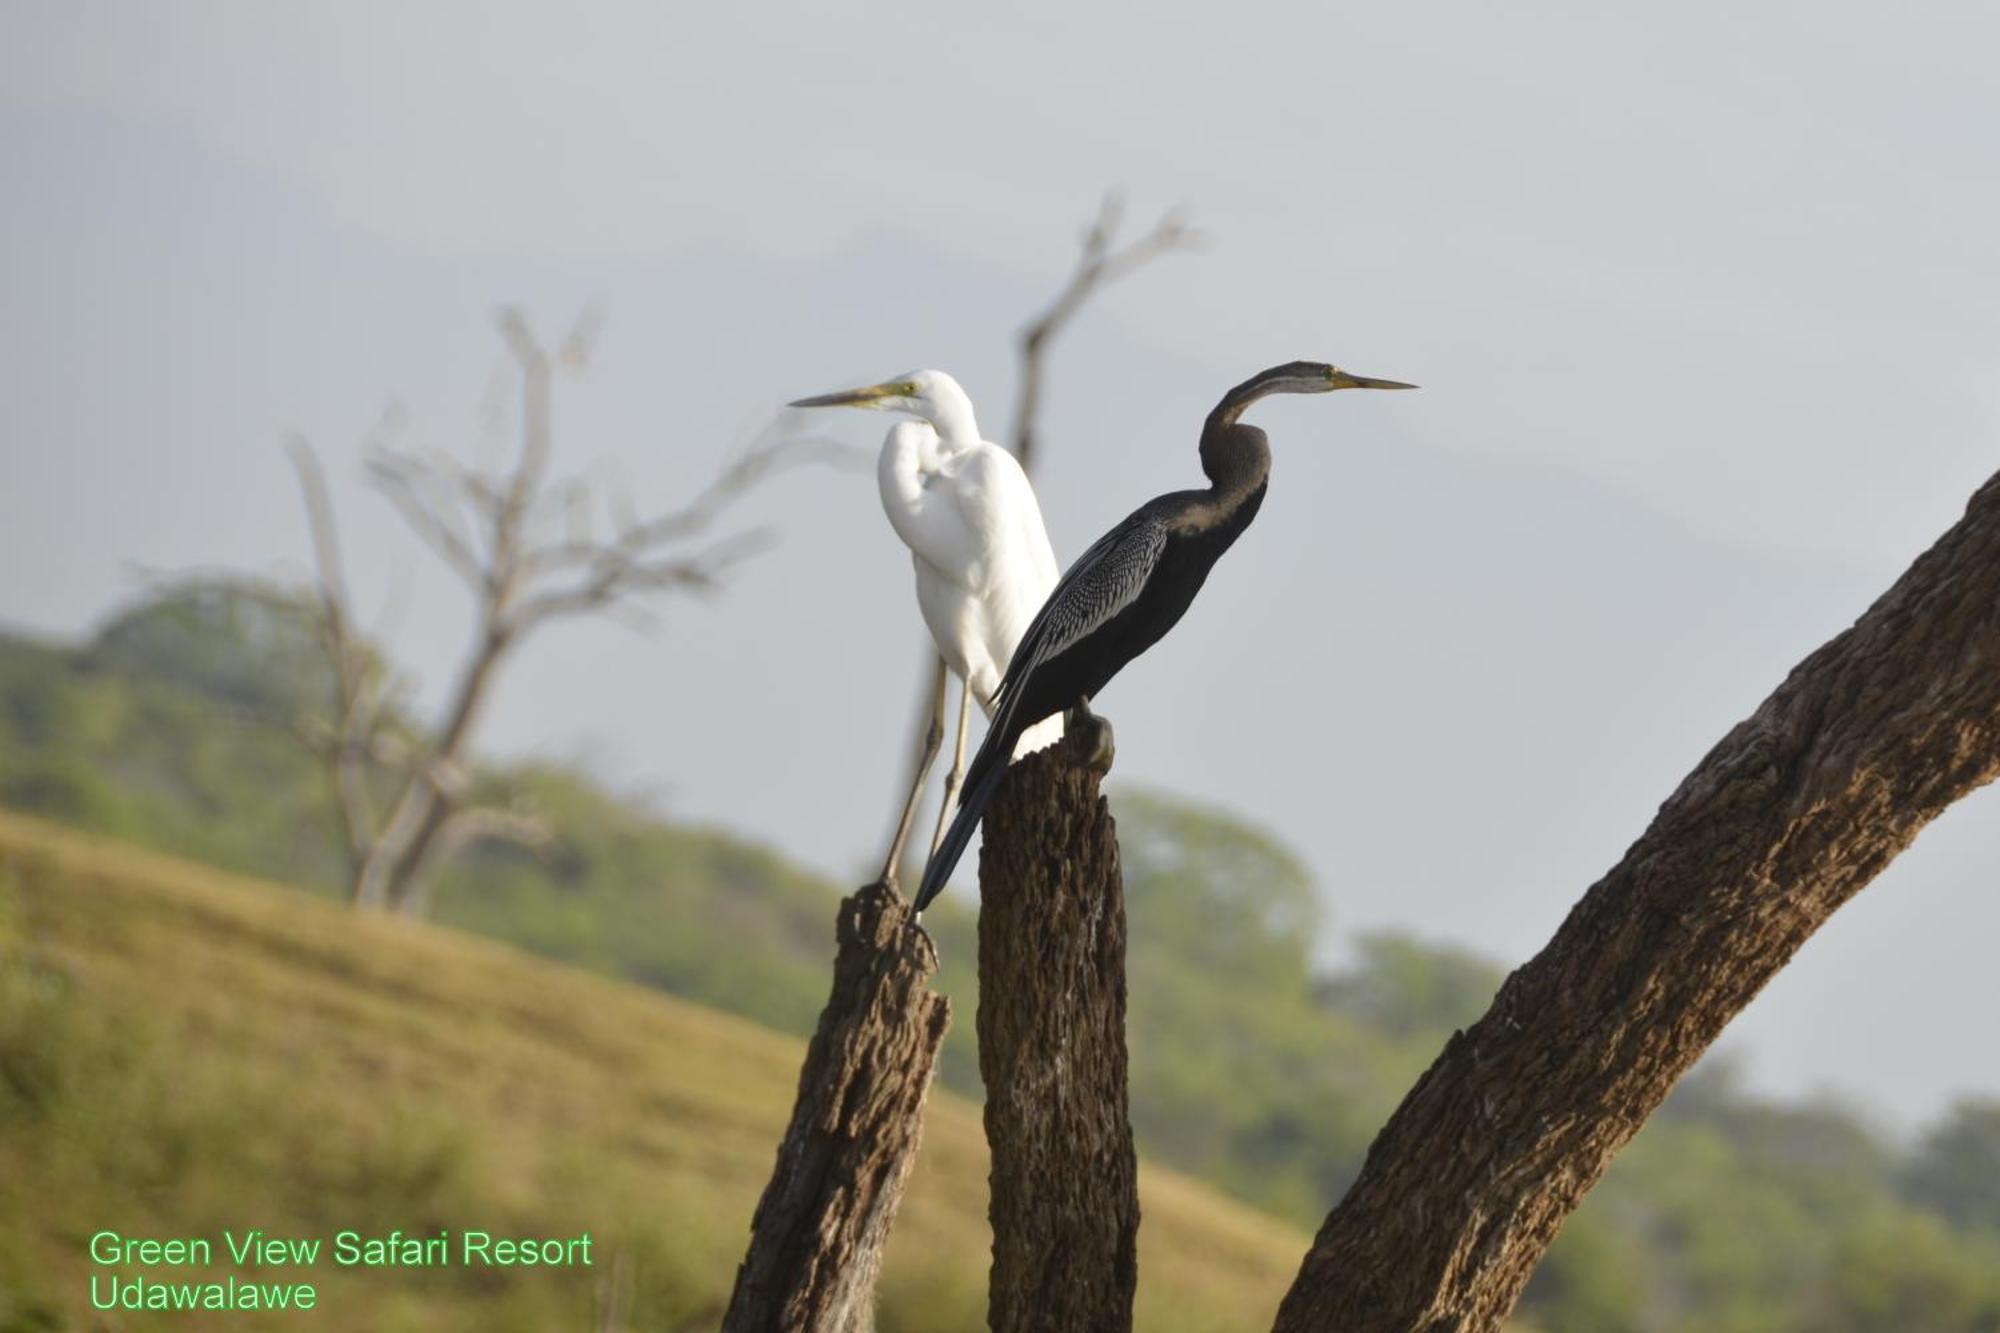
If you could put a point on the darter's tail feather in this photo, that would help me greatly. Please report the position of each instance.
(981, 782)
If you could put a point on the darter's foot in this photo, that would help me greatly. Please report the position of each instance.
(1091, 735)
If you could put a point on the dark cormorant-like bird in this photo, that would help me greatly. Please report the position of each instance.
(1129, 589)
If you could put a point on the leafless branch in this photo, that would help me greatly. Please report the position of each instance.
(356, 689)
(1790, 815)
(518, 825)
(616, 579)
(636, 538)
(1100, 260)
(420, 489)
(580, 342)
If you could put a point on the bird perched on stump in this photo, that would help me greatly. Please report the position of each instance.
(982, 556)
(1129, 589)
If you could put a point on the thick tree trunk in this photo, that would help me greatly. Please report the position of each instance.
(817, 1237)
(1791, 814)
(1065, 1200)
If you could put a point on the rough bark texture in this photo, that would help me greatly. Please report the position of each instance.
(1793, 812)
(817, 1237)
(1065, 1198)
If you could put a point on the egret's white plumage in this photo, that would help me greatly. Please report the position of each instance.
(965, 509)
(982, 557)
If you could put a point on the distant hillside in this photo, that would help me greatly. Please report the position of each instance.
(183, 1051)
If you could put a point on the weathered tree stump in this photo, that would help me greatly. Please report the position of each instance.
(1065, 1196)
(817, 1237)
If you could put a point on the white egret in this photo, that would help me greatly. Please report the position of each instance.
(982, 556)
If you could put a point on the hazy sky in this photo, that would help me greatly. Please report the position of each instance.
(1702, 300)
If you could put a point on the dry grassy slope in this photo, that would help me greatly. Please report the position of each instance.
(584, 1101)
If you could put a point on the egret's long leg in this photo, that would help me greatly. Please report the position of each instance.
(933, 741)
(956, 778)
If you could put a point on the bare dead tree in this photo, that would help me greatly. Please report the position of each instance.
(1790, 815)
(530, 551)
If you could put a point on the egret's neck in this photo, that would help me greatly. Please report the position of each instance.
(951, 415)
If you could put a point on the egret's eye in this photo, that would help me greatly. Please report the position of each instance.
(910, 390)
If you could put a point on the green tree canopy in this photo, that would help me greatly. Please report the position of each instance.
(1218, 893)
(1955, 1171)
(247, 645)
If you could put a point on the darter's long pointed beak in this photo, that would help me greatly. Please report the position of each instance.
(867, 397)
(1346, 381)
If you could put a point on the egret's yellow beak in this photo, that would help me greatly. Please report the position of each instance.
(1342, 380)
(867, 397)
